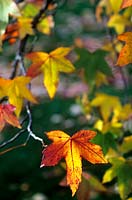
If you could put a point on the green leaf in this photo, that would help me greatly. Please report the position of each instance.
(106, 141)
(92, 63)
(121, 169)
(30, 10)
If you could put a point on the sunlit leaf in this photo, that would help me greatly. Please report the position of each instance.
(119, 22)
(126, 3)
(45, 25)
(24, 27)
(16, 90)
(50, 65)
(115, 6)
(108, 104)
(72, 149)
(125, 56)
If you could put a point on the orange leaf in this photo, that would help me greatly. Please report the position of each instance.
(126, 3)
(125, 56)
(72, 149)
(50, 65)
(6, 115)
(11, 33)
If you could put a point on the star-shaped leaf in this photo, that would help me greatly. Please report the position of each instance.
(72, 149)
(17, 91)
(50, 65)
(24, 26)
(89, 62)
(125, 56)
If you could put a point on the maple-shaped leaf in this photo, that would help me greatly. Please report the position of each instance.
(6, 115)
(17, 91)
(72, 149)
(50, 65)
(125, 56)
(89, 62)
(24, 26)
(126, 3)
(121, 169)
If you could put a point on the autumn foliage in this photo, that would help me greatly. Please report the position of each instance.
(72, 149)
(101, 64)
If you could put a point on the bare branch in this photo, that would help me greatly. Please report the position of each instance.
(12, 139)
(29, 127)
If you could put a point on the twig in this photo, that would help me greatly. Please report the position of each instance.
(12, 139)
(23, 42)
(29, 126)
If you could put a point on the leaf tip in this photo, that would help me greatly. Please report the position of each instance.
(42, 165)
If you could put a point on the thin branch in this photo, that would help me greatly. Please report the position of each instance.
(15, 147)
(12, 139)
(23, 42)
(12, 148)
(29, 127)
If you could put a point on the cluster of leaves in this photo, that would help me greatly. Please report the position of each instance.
(107, 106)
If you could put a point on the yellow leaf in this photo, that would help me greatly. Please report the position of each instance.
(107, 104)
(17, 92)
(25, 27)
(115, 6)
(104, 127)
(50, 65)
(119, 22)
(110, 8)
(45, 25)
